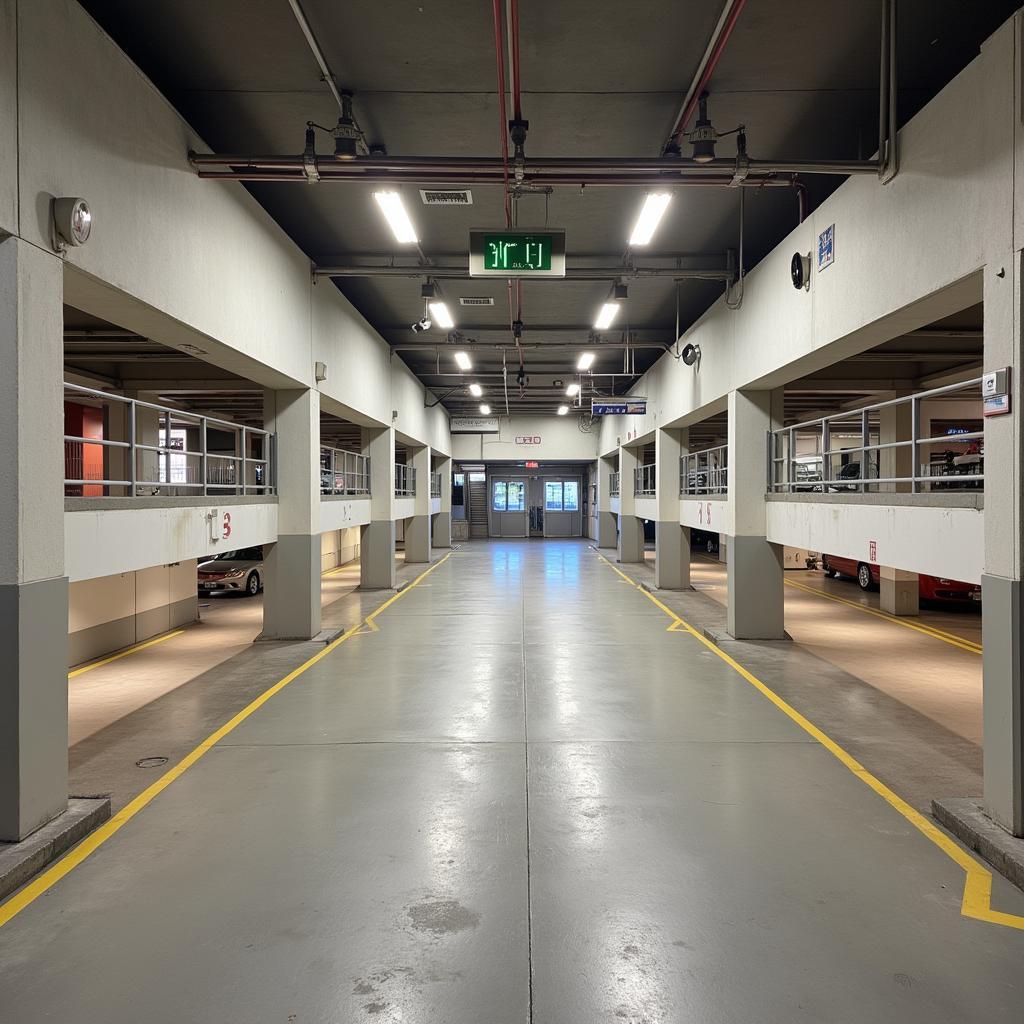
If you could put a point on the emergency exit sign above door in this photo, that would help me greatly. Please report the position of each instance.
(517, 252)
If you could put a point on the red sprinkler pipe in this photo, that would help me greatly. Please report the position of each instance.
(496, 6)
(709, 68)
(517, 99)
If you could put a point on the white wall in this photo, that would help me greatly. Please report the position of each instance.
(906, 253)
(177, 258)
(938, 541)
(561, 440)
(337, 547)
(101, 542)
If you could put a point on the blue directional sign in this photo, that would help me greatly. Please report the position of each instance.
(633, 407)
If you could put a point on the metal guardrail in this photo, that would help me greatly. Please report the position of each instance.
(343, 472)
(435, 485)
(704, 472)
(138, 467)
(805, 457)
(614, 486)
(645, 480)
(405, 480)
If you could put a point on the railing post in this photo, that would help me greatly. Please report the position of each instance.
(132, 471)
(915, 429)
(202, 456)
(791, 460)
(865, 440)
(826, 460)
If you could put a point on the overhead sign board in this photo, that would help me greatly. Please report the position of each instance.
(473, 424)
(517, 252)
(618, 407)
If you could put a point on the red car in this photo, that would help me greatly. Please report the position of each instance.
(931, 588)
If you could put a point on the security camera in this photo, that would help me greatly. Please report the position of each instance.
(691, 354)
(422, 325)
(800, 270)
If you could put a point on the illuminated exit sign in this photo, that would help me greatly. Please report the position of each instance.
(517, 253)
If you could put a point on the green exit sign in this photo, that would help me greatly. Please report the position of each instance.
(517, 253)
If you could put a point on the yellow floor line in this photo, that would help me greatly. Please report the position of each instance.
(125, 653)
(92, 842)
(936, 634)
(976, 901)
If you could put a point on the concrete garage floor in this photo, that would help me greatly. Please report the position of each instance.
(521, 795)
(228, 623)
(939, 679)
(159, 701)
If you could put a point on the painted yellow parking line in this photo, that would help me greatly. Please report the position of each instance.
(977, 895)
(124, 653)
(92, 842)
(937, 634)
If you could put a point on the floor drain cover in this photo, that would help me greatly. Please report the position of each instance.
(150, 762)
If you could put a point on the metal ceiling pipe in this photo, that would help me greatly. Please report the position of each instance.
(554, 346)
(318, 53)
(539, 167)
(572, 274)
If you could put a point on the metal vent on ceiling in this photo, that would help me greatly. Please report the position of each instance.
(476, 300)
(446, 197)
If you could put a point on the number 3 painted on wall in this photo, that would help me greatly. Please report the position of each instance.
(227, 526)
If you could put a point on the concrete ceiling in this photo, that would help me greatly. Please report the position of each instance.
(599, 78)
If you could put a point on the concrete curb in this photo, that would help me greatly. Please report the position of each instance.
(20, 861)
(973, 827)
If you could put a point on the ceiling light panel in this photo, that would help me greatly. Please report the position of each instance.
(462, 361)
(585, 361)
(397, 216)
(650, 216)
(442, 316)
(609, 311)
(475, 390)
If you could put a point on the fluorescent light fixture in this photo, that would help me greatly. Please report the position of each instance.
(573, 390)
(393, 208)
(443, 319)
(563, 410)
(585, 361)
(475, 390)
(485, 409)
(463, 361)
(650, 215)
(609, 311)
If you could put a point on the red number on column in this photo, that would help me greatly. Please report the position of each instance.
(227, 526)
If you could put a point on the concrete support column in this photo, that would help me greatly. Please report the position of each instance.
(377, 544)
(631, 531)
(291, 601)
(894, 424)
(605, 516)
(417, 532)
(441, 530)
(671, 541)
(755, 574)
(33, 587)
(900, 591)
(1003, 654)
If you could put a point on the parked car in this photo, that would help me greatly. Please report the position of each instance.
(239, 572)
(930, 588)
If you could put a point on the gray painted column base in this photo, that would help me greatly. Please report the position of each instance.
(631, 539)
(33, 706)
(755, 609)
(291, 597)
(606, 537)
(417, 539)
(20, 861)
(966, 819)
(899, 597)
(671, 556)
(377, 556)
(441, 530)
(1003, 703)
